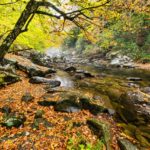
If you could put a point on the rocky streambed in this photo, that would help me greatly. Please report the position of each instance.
(73, 106)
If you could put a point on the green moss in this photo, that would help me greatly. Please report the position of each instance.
(2, 76)
(102, 130)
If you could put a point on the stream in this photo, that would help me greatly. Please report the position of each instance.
(106, 87)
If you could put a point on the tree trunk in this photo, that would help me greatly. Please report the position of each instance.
(20, 26)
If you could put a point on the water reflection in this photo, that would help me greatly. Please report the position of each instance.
(65, 79)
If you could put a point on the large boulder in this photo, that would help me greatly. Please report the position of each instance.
(29, 67)
(135, 107)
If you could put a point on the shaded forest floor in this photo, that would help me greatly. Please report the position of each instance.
(62, 128)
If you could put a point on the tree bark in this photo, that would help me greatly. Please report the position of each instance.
(20, 26)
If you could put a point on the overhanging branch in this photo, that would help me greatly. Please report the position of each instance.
(47, 14)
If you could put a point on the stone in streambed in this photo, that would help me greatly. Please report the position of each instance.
(134, 107)
(134, 79)
(37, 80)
(70, 69)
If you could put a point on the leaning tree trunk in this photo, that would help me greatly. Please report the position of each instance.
(20, 26)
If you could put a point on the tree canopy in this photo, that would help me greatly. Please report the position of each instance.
(46, 19)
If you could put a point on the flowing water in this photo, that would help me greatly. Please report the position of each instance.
(107, 85)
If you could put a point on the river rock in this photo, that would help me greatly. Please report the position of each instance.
(29, 67)
(27, 97)
(41, 59)
(37, 79)
(122, 61)
(70, 69)
(146, 90)
(134, 79)
(125, 144)
(8, 78)
(134, 107)
(67, 105)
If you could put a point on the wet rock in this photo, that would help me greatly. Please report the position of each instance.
(46, 103)
(134, 79)
(122, 61)
(79, 76)
(67, 105)
(93, 108)
(13, 120)
(102, 131)
(41, 59)
(88, 74)
(51, 90)
(146, 90)
(27, 97)
(125, 144)
(5, 109)
(34, 71)
(132, 109)
(52, 83)
(111, 111)
(8, 68)
(70, 69)
(8, 78)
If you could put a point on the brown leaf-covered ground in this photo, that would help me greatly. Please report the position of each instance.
(56, 137)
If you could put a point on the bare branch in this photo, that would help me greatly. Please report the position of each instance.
(47, 14)
(89, 8)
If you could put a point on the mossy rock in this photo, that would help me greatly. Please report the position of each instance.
(11, 120)
(93, 108)
(125, 144)
(102, 130)
(142, 134)
(7, 78)
(67, 105)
